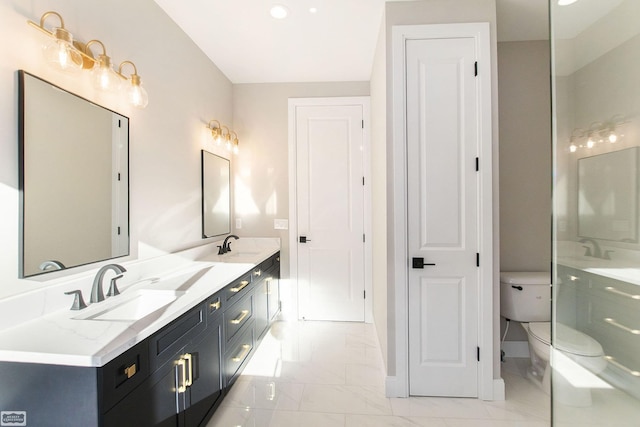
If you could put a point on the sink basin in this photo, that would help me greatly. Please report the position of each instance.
(137, 306)
(240, 254)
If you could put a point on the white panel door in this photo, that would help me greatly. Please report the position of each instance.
(442, 145)
(330, 206)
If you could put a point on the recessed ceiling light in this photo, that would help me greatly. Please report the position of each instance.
(279, 12)
(313, 10)
(566, 2)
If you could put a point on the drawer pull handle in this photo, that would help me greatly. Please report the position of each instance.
(243, 353)
(621, 366)
(182, 364)
(130, 371)
(621, 326)
(215, 305)
(624, 294)
(243, 285)
(189, 380)
(258, 272)
(238, 320)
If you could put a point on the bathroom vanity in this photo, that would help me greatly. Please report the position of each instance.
(169, 365)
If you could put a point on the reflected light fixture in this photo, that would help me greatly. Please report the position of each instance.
(566, 2)
(103, 75)
(279, 11)
(61, 52)
(136, 94)
(227, 138)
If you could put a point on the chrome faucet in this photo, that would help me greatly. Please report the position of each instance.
(597, 253)
(226, 245)
(97, 294)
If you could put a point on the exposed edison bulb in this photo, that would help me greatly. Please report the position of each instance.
(104, 76)
(573, 148)
(613, 137)
(590, 143)
(60, 52)
(235, 149)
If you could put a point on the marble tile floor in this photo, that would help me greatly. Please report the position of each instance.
(329, 374)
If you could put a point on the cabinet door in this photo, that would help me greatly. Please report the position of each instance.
(154, 403)
(273, 293)
(262, 309)
(205, 391)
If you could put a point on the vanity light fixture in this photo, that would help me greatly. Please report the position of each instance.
(61, 52)
(216, 131)
(65, 54)
(235, 143)
(597, 133)
(279, 11)
(136, 94)
(227, 138)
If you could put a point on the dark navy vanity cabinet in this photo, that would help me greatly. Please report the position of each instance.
(176, 377)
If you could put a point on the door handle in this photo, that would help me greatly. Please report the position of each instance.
(303, 239)
(419, 263)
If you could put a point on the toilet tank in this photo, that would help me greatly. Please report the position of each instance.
(525, 296)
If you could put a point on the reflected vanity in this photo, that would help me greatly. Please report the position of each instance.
(74, 179)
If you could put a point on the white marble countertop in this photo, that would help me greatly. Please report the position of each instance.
(83, 338)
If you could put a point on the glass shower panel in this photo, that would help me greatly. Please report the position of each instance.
(596, 243)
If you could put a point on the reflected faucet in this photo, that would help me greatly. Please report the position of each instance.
(52, 265)
(97, 294)
(226, 245)
(596, 248)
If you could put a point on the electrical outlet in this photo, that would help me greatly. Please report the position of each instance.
(280, 224)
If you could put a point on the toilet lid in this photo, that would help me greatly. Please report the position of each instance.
(568, 339)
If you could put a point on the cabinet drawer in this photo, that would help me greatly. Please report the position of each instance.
(124, 373)
(238, 354)
(238, 315)
(167, 342)
(238, 288)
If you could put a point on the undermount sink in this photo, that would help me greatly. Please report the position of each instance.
(241, 254)
(138, 305)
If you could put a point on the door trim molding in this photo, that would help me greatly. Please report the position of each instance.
(364, 102)
(398, 229)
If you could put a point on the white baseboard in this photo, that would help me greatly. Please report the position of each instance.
(516, 348)
(394, 388)
(498, 389)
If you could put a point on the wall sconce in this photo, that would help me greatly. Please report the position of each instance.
(597, 133)
(66, 54)
(61, 52)
(219, 135)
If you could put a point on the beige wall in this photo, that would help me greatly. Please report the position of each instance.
(438, 12)
(525, 160)
(185, 90)
(260, 171)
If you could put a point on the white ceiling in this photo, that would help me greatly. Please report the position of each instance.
(335, 44)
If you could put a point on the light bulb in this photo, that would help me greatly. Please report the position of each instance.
(136, 94)
(60, 52)
(103, 75)
(613, 137)
(590, 143)
(573, 148)
(235, 149)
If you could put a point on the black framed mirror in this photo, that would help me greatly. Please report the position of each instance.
(216, 195)
(74, 179)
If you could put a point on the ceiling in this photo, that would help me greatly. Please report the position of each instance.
(336, 43)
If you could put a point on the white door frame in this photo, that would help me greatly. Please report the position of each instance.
(398, 385)
(363, 101)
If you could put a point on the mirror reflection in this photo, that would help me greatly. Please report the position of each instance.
(216, 202)
(73, 179)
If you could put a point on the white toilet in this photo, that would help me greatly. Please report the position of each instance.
(525, 297)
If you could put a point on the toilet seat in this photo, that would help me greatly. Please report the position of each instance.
(569, 340)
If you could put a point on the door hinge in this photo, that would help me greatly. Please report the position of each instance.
(364, 294)
(118, 230)
(118, 176)
(478, 353)
(363, 238)
(363, 180)
(119, 123)
(476, 68)
(477, 259)
(363, 124)
(477, 164)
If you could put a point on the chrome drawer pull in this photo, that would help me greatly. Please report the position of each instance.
(621, 366)
(624, 294)
(243, 354)
(621, 326)
(243, 285)
(237, 320)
